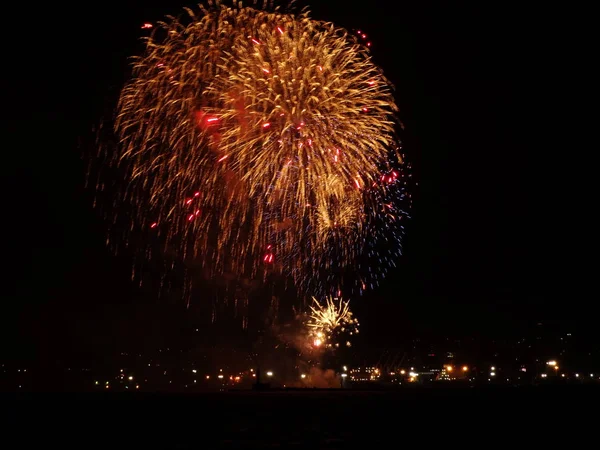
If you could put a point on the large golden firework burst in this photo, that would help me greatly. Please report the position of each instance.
(254, 136)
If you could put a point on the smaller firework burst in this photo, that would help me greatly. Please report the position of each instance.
(329, 321)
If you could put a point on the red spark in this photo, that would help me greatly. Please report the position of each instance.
(204, 120)
(268, 258)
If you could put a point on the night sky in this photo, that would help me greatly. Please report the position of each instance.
(488, 250)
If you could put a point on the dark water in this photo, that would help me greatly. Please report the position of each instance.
(551, 417)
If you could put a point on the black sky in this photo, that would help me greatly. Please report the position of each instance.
(479, 88)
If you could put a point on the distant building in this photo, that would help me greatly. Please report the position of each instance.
(444, 375)
(364, 374)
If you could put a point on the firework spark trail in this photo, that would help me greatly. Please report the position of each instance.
(328, 320)
(378, 243)
(252, 135)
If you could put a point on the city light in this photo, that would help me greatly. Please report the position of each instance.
(155, 374)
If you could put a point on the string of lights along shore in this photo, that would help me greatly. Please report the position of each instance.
(256, 140)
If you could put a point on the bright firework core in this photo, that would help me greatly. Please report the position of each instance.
(329, 320)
